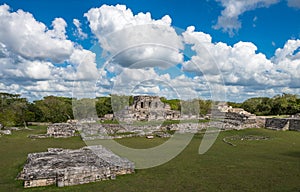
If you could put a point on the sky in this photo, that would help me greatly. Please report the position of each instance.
(213, 49)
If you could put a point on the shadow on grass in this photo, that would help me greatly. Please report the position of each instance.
(295, 154)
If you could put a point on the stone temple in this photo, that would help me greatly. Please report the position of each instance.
(147, 108)
(64, 167)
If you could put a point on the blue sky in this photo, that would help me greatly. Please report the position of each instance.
(277, 23)
(255, 29)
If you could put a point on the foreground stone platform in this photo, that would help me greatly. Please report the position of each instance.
(65, 167)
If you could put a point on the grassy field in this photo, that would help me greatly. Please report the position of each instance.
(264, 165)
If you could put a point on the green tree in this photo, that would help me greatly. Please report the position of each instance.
(205, 106)
(84, 108)
(14, 110)
(103, 106)
(175, 104)
(285, 104)
(54, 109)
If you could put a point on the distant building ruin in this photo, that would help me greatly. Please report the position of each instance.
(239, 118)
(61, 130)
(225, 108)
(58, 130)
(226, 117)
(65, 167)
(147, 108)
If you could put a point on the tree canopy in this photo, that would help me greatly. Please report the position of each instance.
(285, 104)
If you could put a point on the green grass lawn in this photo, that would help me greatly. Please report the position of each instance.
(264, 165)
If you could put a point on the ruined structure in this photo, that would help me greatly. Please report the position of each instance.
(61, 130)
(238, 118)
(226, 118)
(186, 127)
(58, 130)
(65, 167)
(147, 108)
(150, 108)
(229, 111)
(284, 124)
(112, 131)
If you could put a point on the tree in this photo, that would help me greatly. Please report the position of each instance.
(84, 108)
(285, 104)
(258, 106)
(205, 106)
(14, 110)
(103, 106)
(54, 109)
(174, 103)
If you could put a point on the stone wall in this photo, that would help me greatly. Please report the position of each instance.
(39, 182)
(292, 124)
(186, 127)
(277, 124)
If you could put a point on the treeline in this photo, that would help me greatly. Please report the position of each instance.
(285, 104)
(16, 111)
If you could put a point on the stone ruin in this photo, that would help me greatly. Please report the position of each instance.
(113, 131)
(238, 118)
(62, 130)
(59, 130)
(65, 167)
(226, 118)
(231, 119)
(92, 131)
(284, 124)
(146, 108)
(241, 119)
(186, 127)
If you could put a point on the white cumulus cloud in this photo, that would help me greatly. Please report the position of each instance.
(35, 40)
(133, 38)
(31, 55)
(241, 64)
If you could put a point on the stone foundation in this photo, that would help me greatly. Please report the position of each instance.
(64, 167)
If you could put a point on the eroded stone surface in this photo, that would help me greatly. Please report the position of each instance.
(65, 167)
(284, 124)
